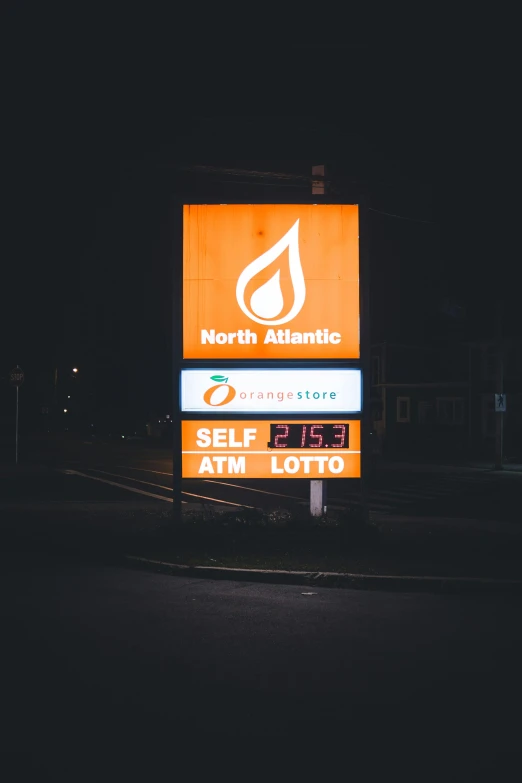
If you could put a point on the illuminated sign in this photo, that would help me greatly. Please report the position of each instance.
(311, 449)
(271, 391)
(271, 281)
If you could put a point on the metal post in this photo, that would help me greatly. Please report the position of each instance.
(365, 339)
(318, 504)
(470, 401)
(499, 419)
(16, 430)
(318, 487)
(54, 418)
(177, 354)
(499, 416)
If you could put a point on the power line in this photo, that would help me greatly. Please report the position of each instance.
(403, 217)
(291, 180)
(263, 184)
(248, 173)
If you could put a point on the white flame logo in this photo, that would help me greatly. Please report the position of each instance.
(267, 302)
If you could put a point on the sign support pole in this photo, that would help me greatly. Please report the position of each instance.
(16, 429)
(365, 342)
(317, 497)
(499, 417)
(318, 501)
(177, 353)
(16, 378)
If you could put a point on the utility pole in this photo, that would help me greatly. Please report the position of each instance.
(17, 378)
(318, 486)
(16, 433)
(54, 409)
(499, 389)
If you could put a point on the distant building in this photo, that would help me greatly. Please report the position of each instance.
(419, 399)
(439, 401)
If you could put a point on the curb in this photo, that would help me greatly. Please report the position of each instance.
(431, 584)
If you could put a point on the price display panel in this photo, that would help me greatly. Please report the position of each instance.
(310, 449)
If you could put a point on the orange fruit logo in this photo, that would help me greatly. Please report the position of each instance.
(214, 390)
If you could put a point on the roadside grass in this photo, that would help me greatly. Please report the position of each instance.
(280, 539)
(286, 539)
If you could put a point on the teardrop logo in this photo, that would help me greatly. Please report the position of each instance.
(267, 301)
(219, 394)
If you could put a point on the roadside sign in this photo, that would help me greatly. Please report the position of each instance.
(271, 281)
(16, 376)
(500, 403)
(278, 448)
(278, 283)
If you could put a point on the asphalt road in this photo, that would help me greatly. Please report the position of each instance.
(98, 657)
(141, 472)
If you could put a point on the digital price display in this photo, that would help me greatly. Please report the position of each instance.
(309, 436)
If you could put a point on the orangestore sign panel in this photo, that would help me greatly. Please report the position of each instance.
(311, 449)
(271, 281)
(314, 392)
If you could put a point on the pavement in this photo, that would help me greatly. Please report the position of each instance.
(111, 672)
(113, 668)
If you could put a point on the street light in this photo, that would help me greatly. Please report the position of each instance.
(65, 410)
(75, 369)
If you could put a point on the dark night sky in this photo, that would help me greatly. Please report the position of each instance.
(94, 149)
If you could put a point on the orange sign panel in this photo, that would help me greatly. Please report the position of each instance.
(271, 281)
(309, 449)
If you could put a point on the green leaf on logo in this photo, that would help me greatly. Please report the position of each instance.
(219, 378)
